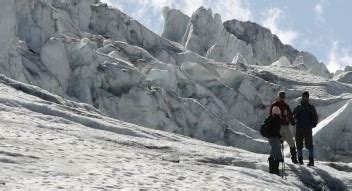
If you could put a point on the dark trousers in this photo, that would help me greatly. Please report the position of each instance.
(304, 134)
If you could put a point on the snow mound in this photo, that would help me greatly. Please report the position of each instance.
(282, 62)
(344, 77)
(239, 59)
(348, 69)
(333, 136)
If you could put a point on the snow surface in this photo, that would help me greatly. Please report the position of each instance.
(48, 145)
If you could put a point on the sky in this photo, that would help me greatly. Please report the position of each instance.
(321, 27)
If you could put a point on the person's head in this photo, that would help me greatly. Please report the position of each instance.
(281, 96)
(276, 111)
(305, 96)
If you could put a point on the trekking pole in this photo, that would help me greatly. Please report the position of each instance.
(283, 162)
(284, 166)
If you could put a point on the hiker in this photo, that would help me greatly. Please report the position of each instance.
(273, 122)
(306, 118)
(286, 118)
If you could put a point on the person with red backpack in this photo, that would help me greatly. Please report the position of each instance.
(286, 119)
(271, 129)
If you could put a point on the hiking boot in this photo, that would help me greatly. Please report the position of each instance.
(293, 155)
(311, 162)
(271, 165)
(276, 167)
(300, 160)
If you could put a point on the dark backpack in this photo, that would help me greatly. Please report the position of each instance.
(306, 116)
(264, 128)
(313, 115)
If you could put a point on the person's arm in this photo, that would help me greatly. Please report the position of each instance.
(314, 116)
(290, 116)
(267, 120)
(278, 135)
(295, 113)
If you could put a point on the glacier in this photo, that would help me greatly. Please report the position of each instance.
(83, 64)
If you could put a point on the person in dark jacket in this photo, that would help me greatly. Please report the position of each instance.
(275, 139)
(286, 119)
(306, 119)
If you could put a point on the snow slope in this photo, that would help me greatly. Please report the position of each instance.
(50, 143)
(333, 136)
(345, 77)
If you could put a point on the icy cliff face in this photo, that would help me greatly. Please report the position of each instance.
(209, 87)
(88, 52)
(10, 62)
(208, 36)
(267, 47)
(174, 17)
